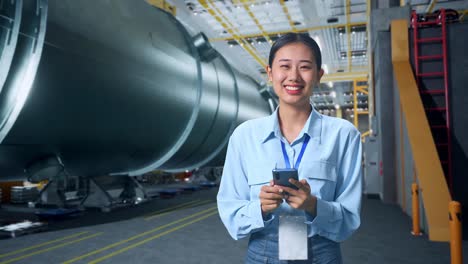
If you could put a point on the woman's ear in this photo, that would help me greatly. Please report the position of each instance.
(320, 74)
(268, 70)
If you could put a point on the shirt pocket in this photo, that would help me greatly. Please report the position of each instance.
(257, 177)
(322, 177)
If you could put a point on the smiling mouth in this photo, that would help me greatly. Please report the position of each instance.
(293, 88)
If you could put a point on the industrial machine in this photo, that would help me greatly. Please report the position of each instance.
(91, 88)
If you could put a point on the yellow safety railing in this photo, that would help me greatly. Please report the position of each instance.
(364, 135)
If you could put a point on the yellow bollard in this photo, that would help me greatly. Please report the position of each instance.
(415, 199)
(455, 232)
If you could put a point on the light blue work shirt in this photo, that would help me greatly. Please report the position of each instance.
(331, 164)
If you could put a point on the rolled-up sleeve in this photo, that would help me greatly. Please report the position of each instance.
(338, 219)
(239, 214)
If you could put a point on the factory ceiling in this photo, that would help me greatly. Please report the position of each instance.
(243, 31)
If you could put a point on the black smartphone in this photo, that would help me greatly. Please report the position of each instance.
(282, 176)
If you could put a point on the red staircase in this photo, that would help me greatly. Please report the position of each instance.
(431, 71)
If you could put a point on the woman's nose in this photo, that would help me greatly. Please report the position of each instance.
(294, 74)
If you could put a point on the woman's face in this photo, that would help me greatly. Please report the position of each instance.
(293, 74)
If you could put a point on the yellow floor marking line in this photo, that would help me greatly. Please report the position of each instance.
(183, 207)
(135, 237)
(171, 208)
(151, 238)
(49, 249)
(43, 244)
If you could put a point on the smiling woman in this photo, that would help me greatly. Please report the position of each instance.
(283, 223)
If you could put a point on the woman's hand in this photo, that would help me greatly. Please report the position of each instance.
(300, 199)
(271, 198)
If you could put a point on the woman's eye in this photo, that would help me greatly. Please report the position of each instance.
(306, 67)
(284, 66)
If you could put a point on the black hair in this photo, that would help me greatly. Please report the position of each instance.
(296, 38)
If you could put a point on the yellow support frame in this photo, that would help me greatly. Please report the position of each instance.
(370, 69)
(431, 6)
(462, 13)
(348, 32)
(363, 89)
(364, 135)
(402, 157)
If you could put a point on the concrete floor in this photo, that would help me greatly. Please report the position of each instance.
(187, 229)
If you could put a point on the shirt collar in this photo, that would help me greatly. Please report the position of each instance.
(312, 127)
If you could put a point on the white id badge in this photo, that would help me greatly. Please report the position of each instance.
(292, 238)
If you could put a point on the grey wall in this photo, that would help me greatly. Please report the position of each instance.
(379, 4)
(383, 79)
(458, 70)
(363, 122)
(384, 95)
(404, 173)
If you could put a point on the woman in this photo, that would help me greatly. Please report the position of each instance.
(326, 151)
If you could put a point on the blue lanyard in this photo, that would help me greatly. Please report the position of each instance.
(299, 158)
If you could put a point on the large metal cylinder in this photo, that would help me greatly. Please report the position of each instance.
(120, 88)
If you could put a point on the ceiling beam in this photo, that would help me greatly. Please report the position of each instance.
(224, 21)
(286, 12)
(431, 6)
(348, 33)
(247, 9)
(344, 76)
(286, 31)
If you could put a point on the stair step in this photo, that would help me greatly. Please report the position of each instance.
(438, 126)
(428, 40)
(436, 109)
(438, 91)
(442, 144)
(431, 57)
(430, 74)
(425, 23)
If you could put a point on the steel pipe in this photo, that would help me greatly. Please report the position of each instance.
(120, 87)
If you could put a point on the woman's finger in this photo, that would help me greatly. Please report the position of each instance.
(301, 185)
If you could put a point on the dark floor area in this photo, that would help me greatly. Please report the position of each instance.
(187, 229)
(384, 237)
